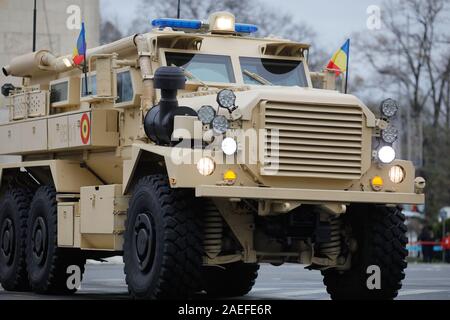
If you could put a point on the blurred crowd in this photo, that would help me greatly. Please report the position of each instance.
(429, 243)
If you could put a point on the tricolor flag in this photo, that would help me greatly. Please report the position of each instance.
(339, 61)
(79, 53)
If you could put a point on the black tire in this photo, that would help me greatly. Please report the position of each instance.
(230, 280)
(13, 229)
(380, 235)
(163, 242)
(47, 264)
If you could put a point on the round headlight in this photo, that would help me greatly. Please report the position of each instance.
(229, 146)
(206, 114)
(389, 135)
(220, 125)
(396, 174)
(386, 154)
(226, 99)
(389, 108)
(206, 166)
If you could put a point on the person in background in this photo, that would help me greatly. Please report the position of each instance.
(446, 246)
(427, 250)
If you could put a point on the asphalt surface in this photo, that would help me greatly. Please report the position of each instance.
(106, 281)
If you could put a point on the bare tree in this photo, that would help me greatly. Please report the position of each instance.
(410, 58)
(269, 21)
(109, 32)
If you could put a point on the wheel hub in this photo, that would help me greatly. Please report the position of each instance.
(144, 241)
(39, 240)
(7, 238)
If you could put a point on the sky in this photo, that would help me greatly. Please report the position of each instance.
(334, 21)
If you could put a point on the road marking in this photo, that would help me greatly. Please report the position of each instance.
(409, 292)
(288, 294)
(264, 289)
(305, 292)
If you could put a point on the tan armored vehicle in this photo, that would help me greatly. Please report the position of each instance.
(197, 152)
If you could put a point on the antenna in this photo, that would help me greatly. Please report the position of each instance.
(34, 26)
(179, 9)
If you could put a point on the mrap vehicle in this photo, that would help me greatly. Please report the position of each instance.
(198, 151)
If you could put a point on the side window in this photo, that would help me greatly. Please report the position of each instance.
(124, 87)
(59, 92)
(92, 86)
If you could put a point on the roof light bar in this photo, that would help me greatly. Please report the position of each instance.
(197, 25)
(245, 28)
(177, 23)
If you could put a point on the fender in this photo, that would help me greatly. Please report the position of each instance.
(130, 167)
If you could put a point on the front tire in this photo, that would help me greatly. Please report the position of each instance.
(13, 229)
(230, 280)
(381, 241)
(46, 263)
(162, 243)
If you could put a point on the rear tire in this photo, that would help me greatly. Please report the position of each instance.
(46, 263)
(380, 235)
(163, 242)
(13, 229)
(231, 280)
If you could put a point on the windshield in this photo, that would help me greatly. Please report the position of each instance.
(274, 72)
(209, 68)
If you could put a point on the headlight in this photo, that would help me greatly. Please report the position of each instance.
(226, 99)
(229, 146)
(396, 174)
(386, 154)
(389, 135)
(220, 125)
(206, 166)
(206, 114)
(389, 108)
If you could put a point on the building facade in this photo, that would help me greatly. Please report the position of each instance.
(58, 27)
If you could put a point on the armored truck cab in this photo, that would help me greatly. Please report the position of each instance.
(198, 151)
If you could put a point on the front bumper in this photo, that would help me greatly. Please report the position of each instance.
(319, 196)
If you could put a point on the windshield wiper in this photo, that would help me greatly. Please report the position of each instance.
(258, 78)
(191, 76)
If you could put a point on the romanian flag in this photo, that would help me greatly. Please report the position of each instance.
(339, 61)
(79, 53)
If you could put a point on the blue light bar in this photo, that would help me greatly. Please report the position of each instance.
(177, 23)
(245, 28)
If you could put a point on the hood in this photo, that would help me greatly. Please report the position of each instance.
(247, 98)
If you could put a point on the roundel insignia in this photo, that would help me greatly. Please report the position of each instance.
(85, 129)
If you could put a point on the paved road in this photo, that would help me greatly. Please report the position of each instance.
(423, 282)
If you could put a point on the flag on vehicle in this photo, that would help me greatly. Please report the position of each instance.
(339, 61)
(79, 53)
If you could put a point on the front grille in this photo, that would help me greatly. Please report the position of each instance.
(313, 141)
